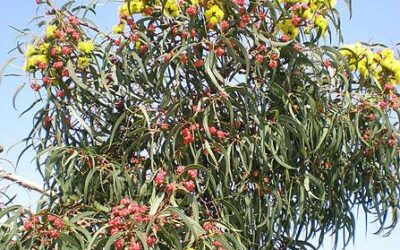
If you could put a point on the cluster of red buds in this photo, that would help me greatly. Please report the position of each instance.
(261, 53)
(137, 161)
(129, 217)
(46, 227)
(188, 184)
(392, 100)
(62, 42)
(188, 133)
(212, 230)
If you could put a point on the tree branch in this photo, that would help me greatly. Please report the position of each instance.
(23, 182)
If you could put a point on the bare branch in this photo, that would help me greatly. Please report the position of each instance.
(23, 182)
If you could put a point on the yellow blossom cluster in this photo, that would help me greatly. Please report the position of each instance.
(214, 15)
(382, 65)
(311, 13)
(86, 47)
(41, 55)
(171, 8)
(35, 58)
(131, 7)
(330, 3)
(288, 28)
(83, 62)
(119, 28)
(50, 31)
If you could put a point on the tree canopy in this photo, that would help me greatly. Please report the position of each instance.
(206, 125)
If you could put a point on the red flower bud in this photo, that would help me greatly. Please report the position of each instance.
(262, 16)
(284, 38)
(198, 63)
(213, 130)
(188, 139)
(65, 50)
(54, 234)
(180, 169)
(73, 20)
(160, 177)
(76, 35)
(224, 25)
(185, 132)
(35, 86)
(191, 10)
(170, 187)
(65, 73)
(53, 52)
(60, 93)
(192, 173)
(58, 65)
(189, 185)
(119, 244)
(28, 225)
(135, 246)
(151, 240)
(47, 80)
(134, 37)
(184, 58)
(184, 35)
(259, 58)
(164, 126)
(217, 243)
(219, 51)
(151, 28)
(327, 63)
(273, 64)
(208, 226)
(148, 11)
(167, 57)
(221, 134)
(296, 20)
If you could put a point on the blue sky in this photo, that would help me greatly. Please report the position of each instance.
(373, 21)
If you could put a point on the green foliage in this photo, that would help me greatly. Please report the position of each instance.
(177, 133)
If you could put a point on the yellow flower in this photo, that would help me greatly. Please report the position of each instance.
(195, 2)
(30, 50)
(123, 10)
(83, 62)
(127, 9)
(44, 48)
(288, 28)
(31, 61)
(50, 31)
(214, 15)
(397, 77)
(119, 28)
(353, 50)
(171, 8)
(321, 22)
(387, 53)
(307, 14)
(382, 66)
(86, 47)
(391, 64)
(138, 45)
